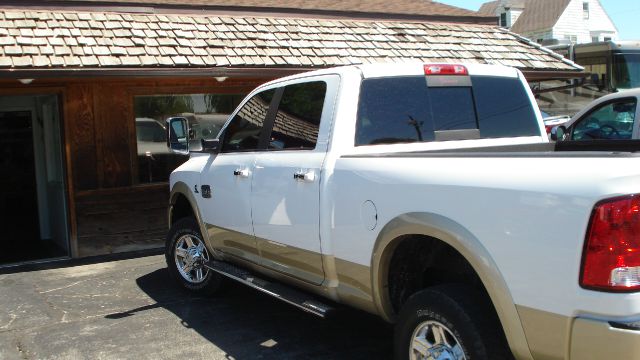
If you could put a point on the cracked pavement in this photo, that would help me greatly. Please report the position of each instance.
(131, 309)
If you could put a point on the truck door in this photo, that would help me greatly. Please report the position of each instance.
(286, 180)
(226, 209)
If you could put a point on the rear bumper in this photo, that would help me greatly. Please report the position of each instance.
(593, 339)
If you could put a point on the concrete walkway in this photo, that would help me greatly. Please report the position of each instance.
(131, 309)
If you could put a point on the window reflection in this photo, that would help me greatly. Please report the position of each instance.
(206, 113)
(626, 71)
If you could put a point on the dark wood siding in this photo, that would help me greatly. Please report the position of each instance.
(115, 214)
(122, 219)
(114, 123)
(109, 210)
(82, 140)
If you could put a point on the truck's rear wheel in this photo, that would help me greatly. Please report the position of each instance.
(448, 322)
(186, 253)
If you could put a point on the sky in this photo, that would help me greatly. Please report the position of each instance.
(623, 13)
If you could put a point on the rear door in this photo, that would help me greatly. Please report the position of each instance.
(286, 180)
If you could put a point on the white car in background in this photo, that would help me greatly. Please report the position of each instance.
(611, 117)
(151, 137)
(551, 121)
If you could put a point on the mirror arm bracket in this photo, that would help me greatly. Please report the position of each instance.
(212, 146)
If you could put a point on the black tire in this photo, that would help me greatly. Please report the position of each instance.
(468, 319)
(209, 281)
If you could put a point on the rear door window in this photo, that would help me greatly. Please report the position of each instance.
(404, 109)
(298, 118)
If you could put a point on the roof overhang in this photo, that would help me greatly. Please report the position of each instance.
(78, 44)
(230, 9)
(549, 75)
(271, 72)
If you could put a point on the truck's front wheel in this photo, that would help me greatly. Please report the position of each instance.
(186, 253)
(448, 322)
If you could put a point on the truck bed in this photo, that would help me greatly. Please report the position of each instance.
(569, 149)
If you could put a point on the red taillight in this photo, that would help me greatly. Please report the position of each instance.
(611, 257)
(445, 69)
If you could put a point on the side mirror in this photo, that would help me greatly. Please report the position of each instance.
(558, 133)
(178, 135)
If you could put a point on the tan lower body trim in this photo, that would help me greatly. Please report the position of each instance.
(300, 263)
(354, 285)
(354, 280)
(548, 334)
(593, 339)
(233, 242)
(290, 260)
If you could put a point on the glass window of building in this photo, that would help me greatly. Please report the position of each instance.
(206, 113)
(585, 10)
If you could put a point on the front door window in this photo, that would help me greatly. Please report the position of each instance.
(610, 121)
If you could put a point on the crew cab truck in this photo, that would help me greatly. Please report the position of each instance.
(426, 194)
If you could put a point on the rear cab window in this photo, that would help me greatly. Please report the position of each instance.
(406, 109)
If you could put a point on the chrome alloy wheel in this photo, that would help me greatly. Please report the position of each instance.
(190, 256)
(431, 340)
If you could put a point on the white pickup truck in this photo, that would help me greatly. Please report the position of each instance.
(426, 194)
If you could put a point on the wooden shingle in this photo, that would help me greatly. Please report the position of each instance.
(111, 40)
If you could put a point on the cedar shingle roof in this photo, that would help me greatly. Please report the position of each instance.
(489, 8)
(409, 7)
(96, 40)
(540, 15)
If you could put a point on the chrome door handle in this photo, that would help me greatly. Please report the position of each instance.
(301, 175)
(241, 172)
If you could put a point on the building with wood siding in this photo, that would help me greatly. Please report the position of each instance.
(551, 21)
(85, 86)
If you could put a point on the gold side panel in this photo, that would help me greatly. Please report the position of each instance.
(300, 263)
(354, 285)
(594, 340)
(548, 334)
(233, 242)
(297, 265)
(296, 262)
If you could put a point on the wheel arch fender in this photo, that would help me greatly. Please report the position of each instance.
(463, 241)
(181, 189)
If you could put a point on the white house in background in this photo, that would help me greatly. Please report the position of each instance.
(508, 11)
(550, 21)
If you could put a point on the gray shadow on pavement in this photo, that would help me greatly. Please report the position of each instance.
(245, 324)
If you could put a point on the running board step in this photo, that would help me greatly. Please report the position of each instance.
(280, 291)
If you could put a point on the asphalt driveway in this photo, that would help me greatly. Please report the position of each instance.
(130, 309)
